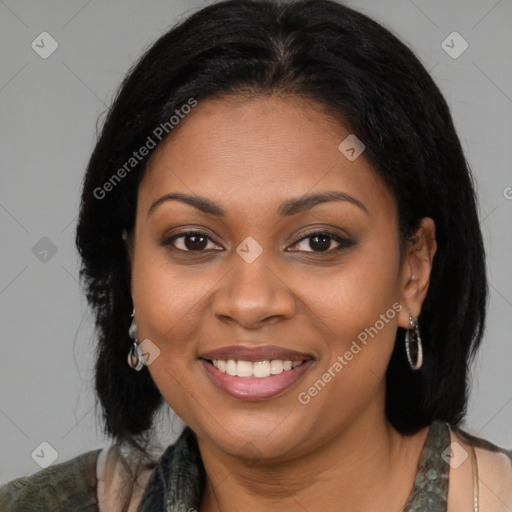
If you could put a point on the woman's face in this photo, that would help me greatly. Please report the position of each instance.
(270, 275)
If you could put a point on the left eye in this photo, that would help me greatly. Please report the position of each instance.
(321, 241)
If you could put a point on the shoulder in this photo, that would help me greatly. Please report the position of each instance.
(491, 472)
(497, 456)
(495, 478)
(68, 486)
(122, 475)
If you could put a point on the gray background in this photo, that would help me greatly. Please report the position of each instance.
(48, 112)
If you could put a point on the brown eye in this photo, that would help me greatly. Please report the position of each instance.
(321, 242)
(191, 241)
(195, 242)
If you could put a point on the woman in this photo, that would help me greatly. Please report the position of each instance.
(279, 239)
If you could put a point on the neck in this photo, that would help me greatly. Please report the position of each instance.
(367, 466)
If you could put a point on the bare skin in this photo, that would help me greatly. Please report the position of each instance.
(248, 156)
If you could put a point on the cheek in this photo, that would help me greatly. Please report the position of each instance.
(168, 297)
(353, 295)
(168, 302)
(357, 311)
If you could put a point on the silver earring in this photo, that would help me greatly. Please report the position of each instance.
(413, 346)
(134, 355)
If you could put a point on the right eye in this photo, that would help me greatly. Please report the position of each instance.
(189, 241)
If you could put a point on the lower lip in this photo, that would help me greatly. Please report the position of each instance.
(253, 388)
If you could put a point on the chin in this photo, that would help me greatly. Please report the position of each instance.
(257, 435)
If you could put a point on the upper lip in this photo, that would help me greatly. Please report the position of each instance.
(259, 353)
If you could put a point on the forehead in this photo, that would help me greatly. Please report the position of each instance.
(259, 151)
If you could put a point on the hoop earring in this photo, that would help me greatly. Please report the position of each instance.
(135, 356)
(413, 345)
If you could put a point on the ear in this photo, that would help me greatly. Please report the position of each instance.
(415, 270)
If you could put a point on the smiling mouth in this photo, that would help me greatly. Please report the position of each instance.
(254, 380)
(256, 369)
(255, 372)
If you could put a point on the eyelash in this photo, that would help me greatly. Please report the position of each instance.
(344, 243)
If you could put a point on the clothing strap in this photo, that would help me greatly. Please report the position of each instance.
(476, 478)
(430, 491)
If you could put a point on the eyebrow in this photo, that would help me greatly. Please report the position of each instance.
(288, 208)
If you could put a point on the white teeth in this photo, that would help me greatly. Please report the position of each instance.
(276, 366)
(231, 367)
(259, 369)
(244, 369)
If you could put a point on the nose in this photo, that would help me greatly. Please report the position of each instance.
(253, 294)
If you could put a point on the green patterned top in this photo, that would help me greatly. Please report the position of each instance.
(430, 490)
(177, 482)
